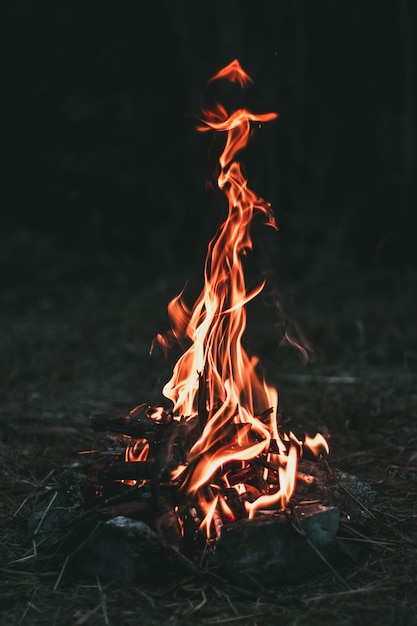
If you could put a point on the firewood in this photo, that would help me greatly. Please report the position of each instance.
(138, 423)
(141, 470)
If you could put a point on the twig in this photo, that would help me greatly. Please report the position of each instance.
(358, 502)
(223, 594)
(72, 554)
(61, 573)
(46, 511)
(103, 602)
(217, 620)
(148, 598)
(84, 618)
(348, 592)
(43, 481)
(198, 606)
(296, 524)
(23, 559)
(328, 564)
(360, 537)
(317, 378)
(379, 544)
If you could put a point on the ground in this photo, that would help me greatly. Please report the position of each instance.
(75, 334)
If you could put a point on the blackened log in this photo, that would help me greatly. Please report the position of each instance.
(138, 423)
(241, 475)
(139, 470)
(135, 509)
(264, 415)
(168, 527)
(176, 441)
(235, 503)
(193, 541)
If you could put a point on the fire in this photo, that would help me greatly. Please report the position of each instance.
(215, 379)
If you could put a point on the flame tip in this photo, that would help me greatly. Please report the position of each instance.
(234, 73)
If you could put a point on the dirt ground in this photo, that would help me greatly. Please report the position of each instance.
(75, 333)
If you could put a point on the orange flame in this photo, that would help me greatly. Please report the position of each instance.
(138, 452)
(213, 330)
(234, 73)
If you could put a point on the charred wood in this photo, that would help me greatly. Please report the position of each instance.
(144, 421)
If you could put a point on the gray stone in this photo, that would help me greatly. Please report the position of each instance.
(57, 511)
(127, 551)
(276, 548)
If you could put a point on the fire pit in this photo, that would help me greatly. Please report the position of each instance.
(210, 482)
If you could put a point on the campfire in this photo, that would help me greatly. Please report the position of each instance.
(210, 471)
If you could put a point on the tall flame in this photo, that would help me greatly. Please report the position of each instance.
(235, 394)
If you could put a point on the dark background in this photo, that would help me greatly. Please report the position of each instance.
(106, 213)
(103, 151)
(106, 177)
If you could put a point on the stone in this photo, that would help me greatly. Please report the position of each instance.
(129, 552)
(275, 548)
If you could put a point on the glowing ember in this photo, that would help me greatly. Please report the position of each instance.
(215, 381)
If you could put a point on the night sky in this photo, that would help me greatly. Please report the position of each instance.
(102, 152)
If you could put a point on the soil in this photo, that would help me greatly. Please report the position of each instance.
(76, 328)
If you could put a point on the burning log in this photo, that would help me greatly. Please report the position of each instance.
(144, 421)
(142, 470)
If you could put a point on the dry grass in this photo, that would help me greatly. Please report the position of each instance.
(72, 347)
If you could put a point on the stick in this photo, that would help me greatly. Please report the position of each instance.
(46, 511)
